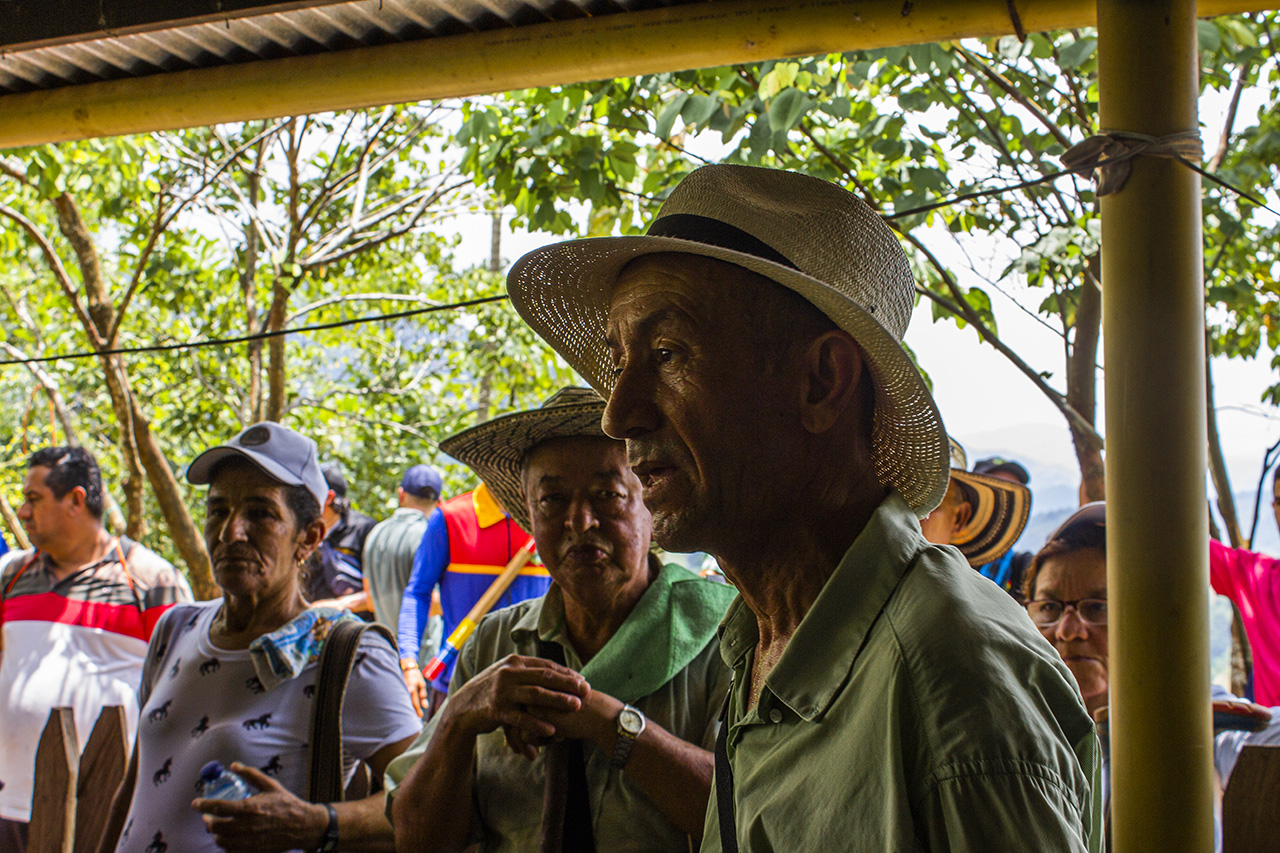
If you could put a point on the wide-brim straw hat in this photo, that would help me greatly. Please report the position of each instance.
(495, 449)
(804, 233)
(1000, 512)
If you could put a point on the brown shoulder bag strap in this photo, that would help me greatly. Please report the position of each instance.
(336, 661)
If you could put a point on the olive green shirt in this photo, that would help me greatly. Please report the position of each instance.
(507, 790)
(916, 708)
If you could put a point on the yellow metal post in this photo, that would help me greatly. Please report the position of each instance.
(1157, 530)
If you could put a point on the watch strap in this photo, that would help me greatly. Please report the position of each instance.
(329, 844)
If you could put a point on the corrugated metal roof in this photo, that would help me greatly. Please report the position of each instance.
(317, 29)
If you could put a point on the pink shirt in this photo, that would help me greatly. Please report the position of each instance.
(1252, 581)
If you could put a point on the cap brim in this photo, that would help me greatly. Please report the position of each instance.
(998, 518)
(200, 471)
(496, 448)
(564, 292)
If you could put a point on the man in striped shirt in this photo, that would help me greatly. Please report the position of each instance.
(75, 616)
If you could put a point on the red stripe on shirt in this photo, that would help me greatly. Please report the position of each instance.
(51, 607)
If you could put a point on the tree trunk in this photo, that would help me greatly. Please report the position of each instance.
(484, 397)
(276, 395)
(251, 408)
(1241, 653)
(138, 446)
(187, 537)
(1217, 464)
(1082, 385)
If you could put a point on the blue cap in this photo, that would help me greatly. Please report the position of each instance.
(421, 479)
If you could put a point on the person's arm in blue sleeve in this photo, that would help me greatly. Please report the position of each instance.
(429, 563)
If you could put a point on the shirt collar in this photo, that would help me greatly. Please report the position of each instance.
(544, 620)
(488, 513)
(817, 660)
(120, 545)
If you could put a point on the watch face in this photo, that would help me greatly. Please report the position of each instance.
(631, 721)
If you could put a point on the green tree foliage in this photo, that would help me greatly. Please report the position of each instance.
(905, 128)
(222, 232)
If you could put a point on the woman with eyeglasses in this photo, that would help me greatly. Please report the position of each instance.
(1066, 594)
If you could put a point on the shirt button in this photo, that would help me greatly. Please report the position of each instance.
(775, 715)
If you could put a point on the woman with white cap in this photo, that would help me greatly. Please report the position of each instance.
(235, 680)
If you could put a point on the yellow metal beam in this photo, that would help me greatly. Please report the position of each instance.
(719, 32)
(1157, 531)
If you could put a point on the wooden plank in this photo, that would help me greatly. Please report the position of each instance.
(1250, 818)
(102, 767)
(53, 801)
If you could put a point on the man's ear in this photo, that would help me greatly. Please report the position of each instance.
(832, 367)
(964, 512)
(76, 498)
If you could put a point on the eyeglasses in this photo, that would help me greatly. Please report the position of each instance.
(1047, 612)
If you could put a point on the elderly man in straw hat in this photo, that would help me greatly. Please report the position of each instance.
(582, 720)
(885, 697)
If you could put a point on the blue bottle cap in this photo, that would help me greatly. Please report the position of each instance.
(211, 771)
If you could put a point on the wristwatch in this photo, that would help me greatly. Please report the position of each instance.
(329, 844)
(630, 724)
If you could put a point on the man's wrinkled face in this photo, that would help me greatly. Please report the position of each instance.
(588, 518)
(44, 517)
(701, 415)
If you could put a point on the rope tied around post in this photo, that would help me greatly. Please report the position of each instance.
(1109, 154)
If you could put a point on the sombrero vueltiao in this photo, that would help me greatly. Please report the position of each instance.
(495, 449)
(802, 232)
(1000, 512)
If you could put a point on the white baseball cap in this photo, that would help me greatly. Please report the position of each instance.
(280, 452)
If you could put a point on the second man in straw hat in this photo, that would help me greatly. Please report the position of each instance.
(582, 720)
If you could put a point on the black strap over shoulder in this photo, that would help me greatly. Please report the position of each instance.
(336, 661)
(724, 783)
(566, 806)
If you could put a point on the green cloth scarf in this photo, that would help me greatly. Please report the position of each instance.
(671, 624)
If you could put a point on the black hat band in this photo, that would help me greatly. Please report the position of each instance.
(713, 232)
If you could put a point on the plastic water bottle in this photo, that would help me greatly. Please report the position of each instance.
(219, 783)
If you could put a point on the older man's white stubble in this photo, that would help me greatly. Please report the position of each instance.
(760, 461)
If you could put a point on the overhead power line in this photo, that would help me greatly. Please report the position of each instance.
(257, 336)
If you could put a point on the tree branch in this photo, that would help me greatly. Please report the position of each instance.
(54, 263)
(358, 297)
(961, 308)
(1012, 91)
(156, 228)
(51, 390)
(1228, 125)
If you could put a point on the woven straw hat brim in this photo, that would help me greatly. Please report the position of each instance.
(997, 521)
(495, 448)
(563, 292)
